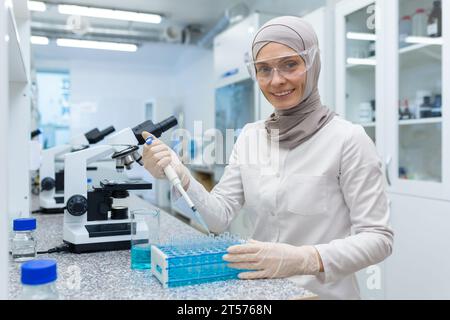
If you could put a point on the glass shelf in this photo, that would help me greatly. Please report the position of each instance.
(368, 124)
(420, 121)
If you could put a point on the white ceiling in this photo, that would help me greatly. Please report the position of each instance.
(205, 13)
(184, 12)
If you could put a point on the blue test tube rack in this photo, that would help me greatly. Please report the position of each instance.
(197, 260)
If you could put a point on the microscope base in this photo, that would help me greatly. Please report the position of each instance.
(107, 236)
(97, 247)
(52, 205)
(51, 210)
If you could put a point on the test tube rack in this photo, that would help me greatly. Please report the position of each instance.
(193, 261)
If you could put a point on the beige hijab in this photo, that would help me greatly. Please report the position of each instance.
(296, 125)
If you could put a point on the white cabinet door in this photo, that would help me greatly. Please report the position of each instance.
(418, 267)
(356, 63)
(415, 97)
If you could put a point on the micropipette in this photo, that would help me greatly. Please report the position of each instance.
(175, 181)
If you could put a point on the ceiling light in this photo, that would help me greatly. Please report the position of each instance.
(109, 14)
(361, 36)
(424, 40)
(96, 45)
(36, 6)
(39, 40)
(365, 62)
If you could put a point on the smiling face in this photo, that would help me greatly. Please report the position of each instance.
(284, 90)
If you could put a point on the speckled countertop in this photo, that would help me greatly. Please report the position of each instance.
(107, 275)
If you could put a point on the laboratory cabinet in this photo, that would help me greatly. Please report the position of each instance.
(14, 122)
(393, 78)
(16, 109)
(356, 41)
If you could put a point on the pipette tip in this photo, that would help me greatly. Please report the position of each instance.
(200, 219)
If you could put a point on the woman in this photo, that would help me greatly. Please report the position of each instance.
(322, 214)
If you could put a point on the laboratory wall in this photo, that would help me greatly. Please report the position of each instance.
(111, 89)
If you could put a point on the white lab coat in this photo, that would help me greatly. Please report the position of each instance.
(328, 192)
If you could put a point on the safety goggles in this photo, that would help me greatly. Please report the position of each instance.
(288, 66)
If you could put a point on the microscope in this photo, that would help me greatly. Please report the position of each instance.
(51, 196)
(96, 219)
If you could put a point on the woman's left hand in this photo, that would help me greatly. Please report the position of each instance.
(273, 260)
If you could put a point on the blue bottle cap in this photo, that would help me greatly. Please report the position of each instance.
(24, 224)
(37, 272)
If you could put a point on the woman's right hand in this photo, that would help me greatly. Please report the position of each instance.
(158, 156)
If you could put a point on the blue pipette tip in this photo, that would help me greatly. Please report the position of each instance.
(149, 140)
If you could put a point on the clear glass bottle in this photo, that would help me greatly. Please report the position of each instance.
(38, 279)
(372, 49)
(405, 30)
(365, 112)
(434, 26)
(23, 243)
(419, 23)
(405, 111)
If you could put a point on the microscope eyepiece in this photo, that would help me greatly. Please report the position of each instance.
(167, 124)
(107, 131)
(96, 135)
(155, 129)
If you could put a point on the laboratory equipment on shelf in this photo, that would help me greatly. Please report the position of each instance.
(193, 260)
(419, 23)
(405, 29)
(420, 97)
(405, 111)
(365, 112)
(436, 110)
(434, 26)
(426, 108)
(51, 196)
(23, 243)
(176, 182)
(38, 279)
(97, 219)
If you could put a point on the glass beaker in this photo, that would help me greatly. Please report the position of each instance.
(144, 233)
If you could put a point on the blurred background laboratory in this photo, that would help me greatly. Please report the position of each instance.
(81, 80)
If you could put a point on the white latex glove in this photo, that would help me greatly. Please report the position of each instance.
(158, 155)
(273, 260)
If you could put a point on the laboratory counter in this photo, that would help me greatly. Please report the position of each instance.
(107, 275)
